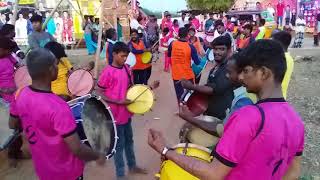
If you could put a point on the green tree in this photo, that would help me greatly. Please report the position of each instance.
(211, 5)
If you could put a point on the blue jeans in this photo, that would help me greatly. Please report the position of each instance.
(279, 21)
(125, 142)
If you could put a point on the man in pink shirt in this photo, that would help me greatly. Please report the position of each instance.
(195, 22)
(48, 124)
(167, 23)
(113, 84)
(264, 141)
(280, 12)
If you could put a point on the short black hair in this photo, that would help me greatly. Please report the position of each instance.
(120, 47)
(168, 15)
(166, 30)
(184, 14)
(211, 14)
(218, 23)
(6, 29)
(39, 62)
(284, 38)
(187, 26)
(222, 41)
(248, 26)
(262, 22)
(57, 49)
(264, 53)
(134, 31)
(36, 18)
(7, 43)
(110, 33)
(183, 32)
(175, 20)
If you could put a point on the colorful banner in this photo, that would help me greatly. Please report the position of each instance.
(24, 2)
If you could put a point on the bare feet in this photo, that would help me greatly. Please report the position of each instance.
(138, 170)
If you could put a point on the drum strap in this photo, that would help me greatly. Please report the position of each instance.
(129, 76)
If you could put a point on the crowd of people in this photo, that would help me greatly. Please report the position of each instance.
(263, 136)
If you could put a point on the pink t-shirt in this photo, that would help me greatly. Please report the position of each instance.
(280, 9)
(46, 121)
(7, 76)
(267, 155)
(115, 81)
(196, 23)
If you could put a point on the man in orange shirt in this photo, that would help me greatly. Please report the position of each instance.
(141, 71)
(181, 53)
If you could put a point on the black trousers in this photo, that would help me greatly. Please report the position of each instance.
(142, 76)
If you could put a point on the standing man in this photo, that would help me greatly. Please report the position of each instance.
(152, 30)
(181, 53)
(287, 15)
(280, 12)
(271, 9)
(209, 23)
(219, 88)
(260, 142)
(300, 29)
(38, 38)
(167, 23)
(221, 29)
(183, 20)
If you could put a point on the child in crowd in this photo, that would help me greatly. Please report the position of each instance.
(164, 45)
(141, 71)
(113, 84)
(38, 38)
(48, 123)
(284, 38)
(246, 38)
(111, 35)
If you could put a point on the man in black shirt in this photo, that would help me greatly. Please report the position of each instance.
(219, 88)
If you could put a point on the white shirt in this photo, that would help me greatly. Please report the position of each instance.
(271, 10)
(300, 25)
(134, 24)
(183, 22)
(21, 29)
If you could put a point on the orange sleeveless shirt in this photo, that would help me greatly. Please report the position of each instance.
(181, 61)
(139, 64)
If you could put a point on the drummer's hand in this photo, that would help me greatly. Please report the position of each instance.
(186, 84)
(126, 102)
(156, 140)
(101, 160)
(184, 112)
(155, 84)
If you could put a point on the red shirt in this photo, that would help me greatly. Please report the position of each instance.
(280, 9)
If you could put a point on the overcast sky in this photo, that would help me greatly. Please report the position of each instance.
(163, 5)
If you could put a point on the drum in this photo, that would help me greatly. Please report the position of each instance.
(146, 57)
(80, 82)
(22, 77)
(196, 102)
(192, 134)
(95, 124)
(197, 69)
(171, 171)
(131, 60)
(142, 97)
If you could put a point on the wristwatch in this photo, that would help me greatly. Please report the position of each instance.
(164, 151)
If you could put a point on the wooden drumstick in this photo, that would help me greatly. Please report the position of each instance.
(134, 100)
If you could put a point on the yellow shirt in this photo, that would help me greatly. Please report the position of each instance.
(59, 86)
(287, 76)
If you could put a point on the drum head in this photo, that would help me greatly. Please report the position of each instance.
(99, 126)
(200, 137)
(144, 102)
(80, 82)
(22, 77)
(196, 102)
(146, 57)
(131, 60)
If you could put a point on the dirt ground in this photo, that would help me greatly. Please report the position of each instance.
(303, 94)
